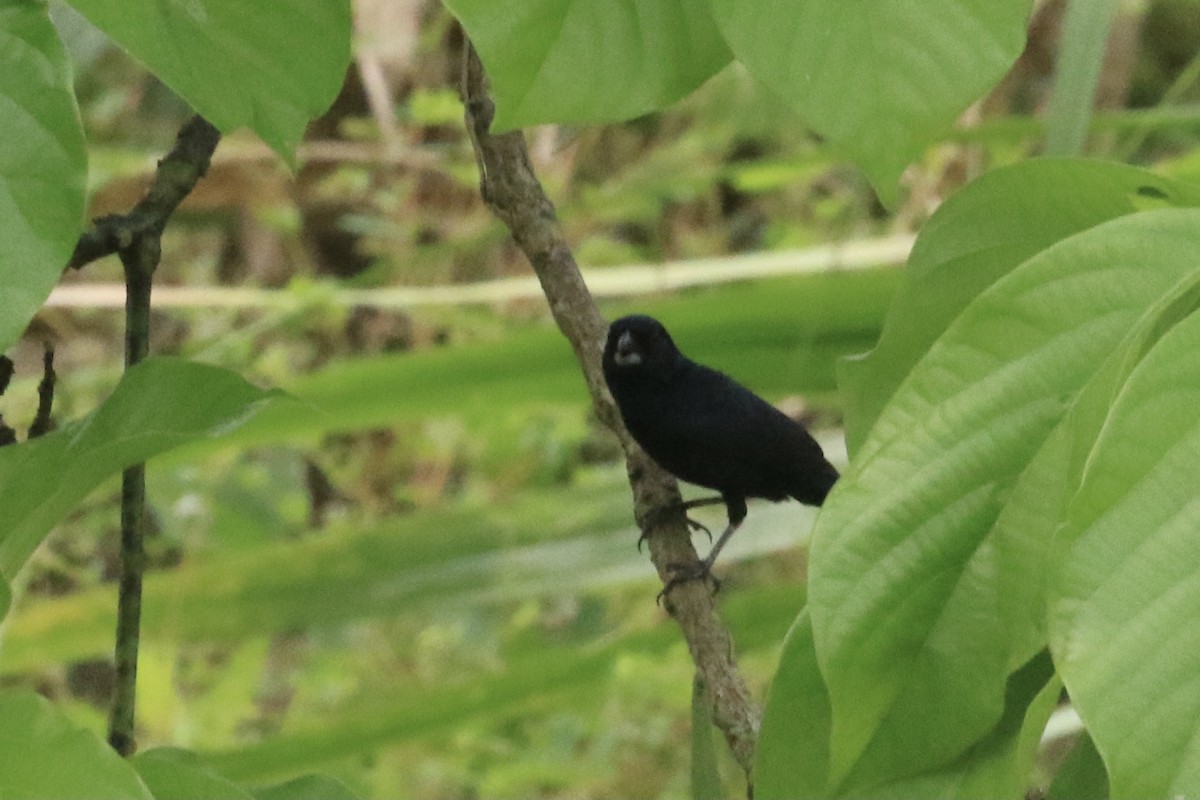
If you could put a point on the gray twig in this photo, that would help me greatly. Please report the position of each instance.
(137, 238)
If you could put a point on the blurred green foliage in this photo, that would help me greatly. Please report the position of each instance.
(419, 573)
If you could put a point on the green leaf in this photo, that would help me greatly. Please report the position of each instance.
(269, 66)
(706, 776)
(159, 404)
(1085, 36)
(793, 747)
(174, 774)
(1082, 775)
(590, 60)
(1001, 764)
(976, 237)
(904, 593)
(792, 759)
(44, 755)
(1027, 526)
(307, 787)
(42, 163)
(1125, 605)
(878, 79)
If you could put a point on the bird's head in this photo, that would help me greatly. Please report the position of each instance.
(639, 343)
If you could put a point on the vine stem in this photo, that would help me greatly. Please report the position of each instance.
(136, 238)
(140, 261)
(512, 191)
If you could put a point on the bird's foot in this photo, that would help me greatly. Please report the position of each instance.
(683, 573)
(658, 516)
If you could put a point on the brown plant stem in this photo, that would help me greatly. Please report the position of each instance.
(512, 191)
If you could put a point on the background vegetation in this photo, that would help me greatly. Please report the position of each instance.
(416, 572)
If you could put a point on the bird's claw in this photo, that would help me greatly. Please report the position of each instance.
(645, 535)
(698, 527)
(658, 516)
(683, 573)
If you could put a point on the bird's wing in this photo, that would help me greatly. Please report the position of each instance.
(719, 434)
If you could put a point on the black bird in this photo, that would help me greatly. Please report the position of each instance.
(705, 428)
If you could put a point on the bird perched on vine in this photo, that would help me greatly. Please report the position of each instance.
(705, 428)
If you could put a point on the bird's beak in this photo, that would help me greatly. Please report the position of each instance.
(627, 353)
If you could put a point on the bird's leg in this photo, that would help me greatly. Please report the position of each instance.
(702, 570)
(657, 516)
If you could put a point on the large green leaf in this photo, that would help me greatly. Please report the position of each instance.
(792, 759)
(1027, 526)
(590, 60)
(879, 79)
(44, 755)
(904, 592)
(1125, 609)
(269, 66)
(976, 237)
(175, 774)
(793, 750)
(159, 404)
(42, 163)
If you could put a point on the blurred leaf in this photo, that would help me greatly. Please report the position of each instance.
(706, 776)
(436, 107)
(175, 774)
(307, 787)
(878, 79)
(1077, 67)
(159, 404)
(270, 67)
(780, 337)
(540, 672)
(44, 755)
(976, 237)
(571, 61)
(903, 578)
(544, 543)
(42, 164)
(1125, 605)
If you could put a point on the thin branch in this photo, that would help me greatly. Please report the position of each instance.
(43, 423)
(6, 372)
(136, 238)
(174, 178)
(7, 435)
(512, 191)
